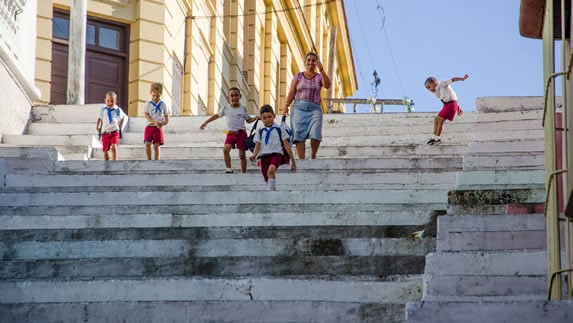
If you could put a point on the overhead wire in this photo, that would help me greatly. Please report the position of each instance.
(370, 91)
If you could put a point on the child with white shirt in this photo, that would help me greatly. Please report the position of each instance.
(271, 142)
(446, 94)
(157, 115)
(109, 124)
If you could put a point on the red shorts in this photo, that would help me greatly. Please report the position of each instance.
(268, 160)
(153, 134)
(449, 110)
(108, 139)
(238, 139)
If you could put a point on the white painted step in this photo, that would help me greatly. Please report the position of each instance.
(446, 180)
(531, 160)
(87, 113)
(468, 179)
(491, 223)
(440, 287)
(502, 311)
(515, 146)
(220, 198)
(94, 220)
(495, 104)
(119, 290)
(53, 140)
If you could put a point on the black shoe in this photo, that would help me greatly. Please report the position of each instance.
(431, 141)
(229, 171)
(437, 142)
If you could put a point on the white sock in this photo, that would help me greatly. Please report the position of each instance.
(437, 137)
(272, 183)
(229, 170)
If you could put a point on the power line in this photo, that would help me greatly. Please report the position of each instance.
(325, 2)
(370, 91)
(382, 15)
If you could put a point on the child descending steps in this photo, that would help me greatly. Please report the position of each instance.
(236, 133)
(157, 114)
(109, 124)
(271, 143)
(444, 92)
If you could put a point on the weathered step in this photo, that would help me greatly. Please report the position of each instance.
(492, 201)
(350, 290)
(514, 104)
(201, 182)
(205, 311)
(151, 197)
(511, 146)
(494, 161)
(52, 140)
(330, 165)
(525, 311)
(390, 219)
(474, 287)
(500, 178)
(496, 232)
(380, 150)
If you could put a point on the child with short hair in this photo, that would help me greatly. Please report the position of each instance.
(157, 113)
(446, 94)
(109, 124)
(236, 114)
(269, 144)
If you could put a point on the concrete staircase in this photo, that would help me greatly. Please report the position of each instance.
(179, 240)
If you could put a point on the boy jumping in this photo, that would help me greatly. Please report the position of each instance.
(444, 92)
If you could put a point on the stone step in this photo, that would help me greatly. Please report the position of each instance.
(136, 152)
(492, 201)
(390, 219)
(208, 210)
(52, 140)
(516, 104)
(469, 179)
(502, 126)
(205, 311)
(502, 147)
(491, 223)
(524, 311)
(481, 263)
(510, 116)
(198, 182)
(151, 197)
(482, 161)
(322, 166)
(462, 286)
(200, 289)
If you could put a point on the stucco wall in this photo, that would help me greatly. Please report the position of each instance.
(16, 110)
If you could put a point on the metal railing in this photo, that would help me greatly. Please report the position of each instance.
(339, 105)
(552, 205)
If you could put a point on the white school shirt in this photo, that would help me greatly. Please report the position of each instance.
(158, 114)
(445, 92)
(113, 124)
(236, 117)
(273, 145)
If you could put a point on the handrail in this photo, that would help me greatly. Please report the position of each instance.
(548, 187)
(548, 84)
(559, 272)
(370, 101)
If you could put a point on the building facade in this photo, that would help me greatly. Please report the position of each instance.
(197, 49)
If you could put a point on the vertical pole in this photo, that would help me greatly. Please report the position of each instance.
(552, 216)
(77, 52)
(331, 58)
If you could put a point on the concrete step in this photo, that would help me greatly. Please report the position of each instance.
(183, 289)
(525, 311)
(87, 113)
(500, 178)
(492, 201)
(205, 311)
(480, 263)
(382, 150)
(483, 161)
(472, 287)
(199, 182)
(53, 140)
(502, 147)
(504, 104)
(500, 126)
(326, 165)
(151, 197)
(390, 219)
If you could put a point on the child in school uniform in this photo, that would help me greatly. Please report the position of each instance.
(157, 114)
(109, 124)
(236, 114)
(446, 94)
(269, 148)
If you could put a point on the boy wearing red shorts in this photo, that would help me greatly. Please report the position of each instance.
(446, 94)
(269, 148)
(236, 133)
(109, 124)
(157, 114)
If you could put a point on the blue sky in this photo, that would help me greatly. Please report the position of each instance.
(443, 38)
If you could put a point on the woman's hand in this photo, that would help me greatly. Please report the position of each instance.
(319, 65)
(285, 110)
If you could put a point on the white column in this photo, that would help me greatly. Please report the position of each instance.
(77, 52)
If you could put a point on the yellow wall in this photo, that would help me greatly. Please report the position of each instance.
(257, 45)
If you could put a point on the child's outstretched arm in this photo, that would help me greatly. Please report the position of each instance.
(289, 152)
(212, 118)
(253, 119)
(455, 79)
(98, 125)
(255, 151)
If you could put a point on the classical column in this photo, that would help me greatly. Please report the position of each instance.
(331, 58)
(77, 52)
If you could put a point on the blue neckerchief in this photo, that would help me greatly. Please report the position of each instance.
(268, 133)
(109, 114)
(157, 106)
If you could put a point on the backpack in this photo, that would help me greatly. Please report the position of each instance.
(286, 157)
(251, 137)
(287, 129)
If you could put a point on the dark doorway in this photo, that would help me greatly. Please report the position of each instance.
(106, 59)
